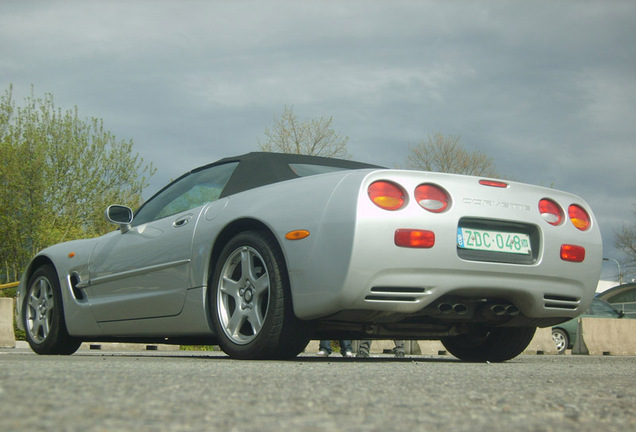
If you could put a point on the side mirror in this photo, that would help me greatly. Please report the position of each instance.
(120, 215)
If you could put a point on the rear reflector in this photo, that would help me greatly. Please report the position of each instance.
(572, 253)
(413, 238)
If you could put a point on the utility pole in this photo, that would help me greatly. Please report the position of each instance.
(620, 275)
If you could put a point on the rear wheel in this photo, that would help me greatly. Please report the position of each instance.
(250, 300)
(561, 340)
(43, 314)
(494, 345)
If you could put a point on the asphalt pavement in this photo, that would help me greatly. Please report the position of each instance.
(201, 391)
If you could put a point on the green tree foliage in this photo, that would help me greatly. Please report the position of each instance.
(441, 153)
(58, 173)
(312, 137)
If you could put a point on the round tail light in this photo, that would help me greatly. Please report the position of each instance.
(386, 195)
(432, 198)
(579, 217)
(551, 212)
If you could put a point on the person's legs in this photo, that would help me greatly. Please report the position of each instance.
(325, 348)
(365, 348)
(399, 348)
(345, 348)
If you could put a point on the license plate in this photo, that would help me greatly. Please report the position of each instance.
(493, 241)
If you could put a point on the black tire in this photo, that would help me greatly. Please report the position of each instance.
(495, 345)
(561, 340)
(250, 301)
(43, 315)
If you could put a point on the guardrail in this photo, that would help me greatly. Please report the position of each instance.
(9, 285)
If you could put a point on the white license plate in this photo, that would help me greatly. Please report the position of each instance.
(494, 241)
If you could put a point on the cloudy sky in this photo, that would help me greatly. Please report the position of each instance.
(546, 88)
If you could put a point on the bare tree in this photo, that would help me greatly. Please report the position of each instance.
(445, 154)
(625, 240)
(312, 137)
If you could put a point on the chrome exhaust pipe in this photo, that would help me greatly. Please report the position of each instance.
(445, 308)
(512, 310)
(460, 308)
(498, 310)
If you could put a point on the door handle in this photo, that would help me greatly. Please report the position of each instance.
(182, 221)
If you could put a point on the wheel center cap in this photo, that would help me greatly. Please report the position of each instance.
(249, 295)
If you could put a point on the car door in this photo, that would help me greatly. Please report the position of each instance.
(144, 272)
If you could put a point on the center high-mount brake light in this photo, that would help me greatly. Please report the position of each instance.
(550, 211)
(493, 183)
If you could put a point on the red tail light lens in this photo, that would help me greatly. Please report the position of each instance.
(572, 253)
(387, 195)
(432, 198)
(412, 238)
(579, 217)
(551, 212)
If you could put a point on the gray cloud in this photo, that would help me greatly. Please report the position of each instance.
(547, 88)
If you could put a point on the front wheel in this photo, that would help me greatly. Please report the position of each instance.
(250, 300)
(494, 345)
(43, 314)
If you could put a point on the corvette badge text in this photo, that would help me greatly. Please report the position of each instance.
(492, 203)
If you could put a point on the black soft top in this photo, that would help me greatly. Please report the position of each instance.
(262, 168)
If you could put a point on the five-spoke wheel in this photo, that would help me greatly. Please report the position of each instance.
(43, 314)
(250, 300)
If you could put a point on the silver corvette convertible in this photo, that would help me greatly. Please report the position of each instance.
(262, 252)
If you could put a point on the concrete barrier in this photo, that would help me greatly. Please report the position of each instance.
(117, 346)
(7, 336)
(606, 336)
(542, 342)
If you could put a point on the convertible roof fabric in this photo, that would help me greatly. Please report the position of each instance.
(262, 168)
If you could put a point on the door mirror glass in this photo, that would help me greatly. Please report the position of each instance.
(119, 215)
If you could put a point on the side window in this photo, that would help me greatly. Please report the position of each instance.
(190, 191)
(601, 309)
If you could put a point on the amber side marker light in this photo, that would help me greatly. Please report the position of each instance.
(414, 238)
(71, 255)
(572, 253)
(297, 234)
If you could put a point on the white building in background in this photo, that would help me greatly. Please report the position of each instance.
(604, 285)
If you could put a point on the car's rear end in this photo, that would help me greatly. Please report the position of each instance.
(452, 249)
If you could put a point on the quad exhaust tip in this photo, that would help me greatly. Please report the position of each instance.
(457, 308)
(504, 310)
(499, 310)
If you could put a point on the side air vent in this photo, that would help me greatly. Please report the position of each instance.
(395, 294)
(554, 301)
(74, 280)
